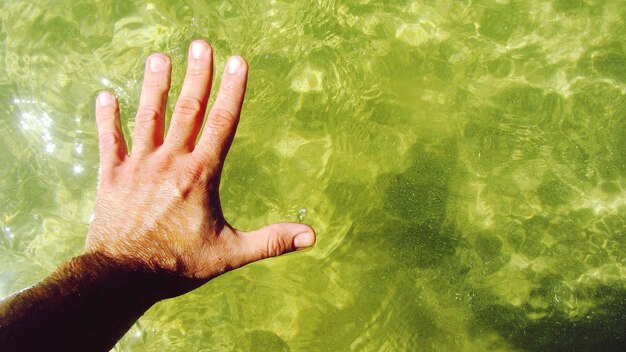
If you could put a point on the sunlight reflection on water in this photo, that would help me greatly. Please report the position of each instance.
(462, 163)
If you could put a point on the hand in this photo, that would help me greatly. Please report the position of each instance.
(159, 207)
(158, 230)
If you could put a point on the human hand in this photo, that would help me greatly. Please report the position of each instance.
(159, 207)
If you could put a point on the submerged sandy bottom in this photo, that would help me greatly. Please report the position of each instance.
(463, 163)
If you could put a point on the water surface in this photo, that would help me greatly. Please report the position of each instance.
(463, 163)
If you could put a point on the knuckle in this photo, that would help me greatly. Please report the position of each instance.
(207, 166)
(106, 117)
(276, 246)
(147, 114)
(222, 117)
(196, 72)
(135, 169)
(190, 177)
(165, 162)
(196, 164)
(106, 178)
(188, 106)
(108, 141)
(155, 84)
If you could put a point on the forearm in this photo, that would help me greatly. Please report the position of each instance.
(87, 304)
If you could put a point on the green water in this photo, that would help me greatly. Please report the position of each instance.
(463, 163)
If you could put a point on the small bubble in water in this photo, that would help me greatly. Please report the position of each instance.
(301, 214)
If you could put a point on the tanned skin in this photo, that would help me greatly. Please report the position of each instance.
(158, 230)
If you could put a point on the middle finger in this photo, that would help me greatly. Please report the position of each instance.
(191, 106)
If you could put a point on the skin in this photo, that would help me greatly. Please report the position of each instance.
(158, 230)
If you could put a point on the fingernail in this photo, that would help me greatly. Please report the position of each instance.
(197, 50)
(233, 64)
(304, 240)
(105, 98)
(157, 63)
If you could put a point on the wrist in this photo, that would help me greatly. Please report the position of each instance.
(100, 277)
(120, 279)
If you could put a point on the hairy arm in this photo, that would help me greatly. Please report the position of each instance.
(158, 229)
(87, 304)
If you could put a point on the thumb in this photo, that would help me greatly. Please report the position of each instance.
(274, 240)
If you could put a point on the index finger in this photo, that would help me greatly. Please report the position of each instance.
(223, 118)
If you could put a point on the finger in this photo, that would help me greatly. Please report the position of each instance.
(221, 124)
(191, 105)
(150, 117)
(111, 143)
(273, 240)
